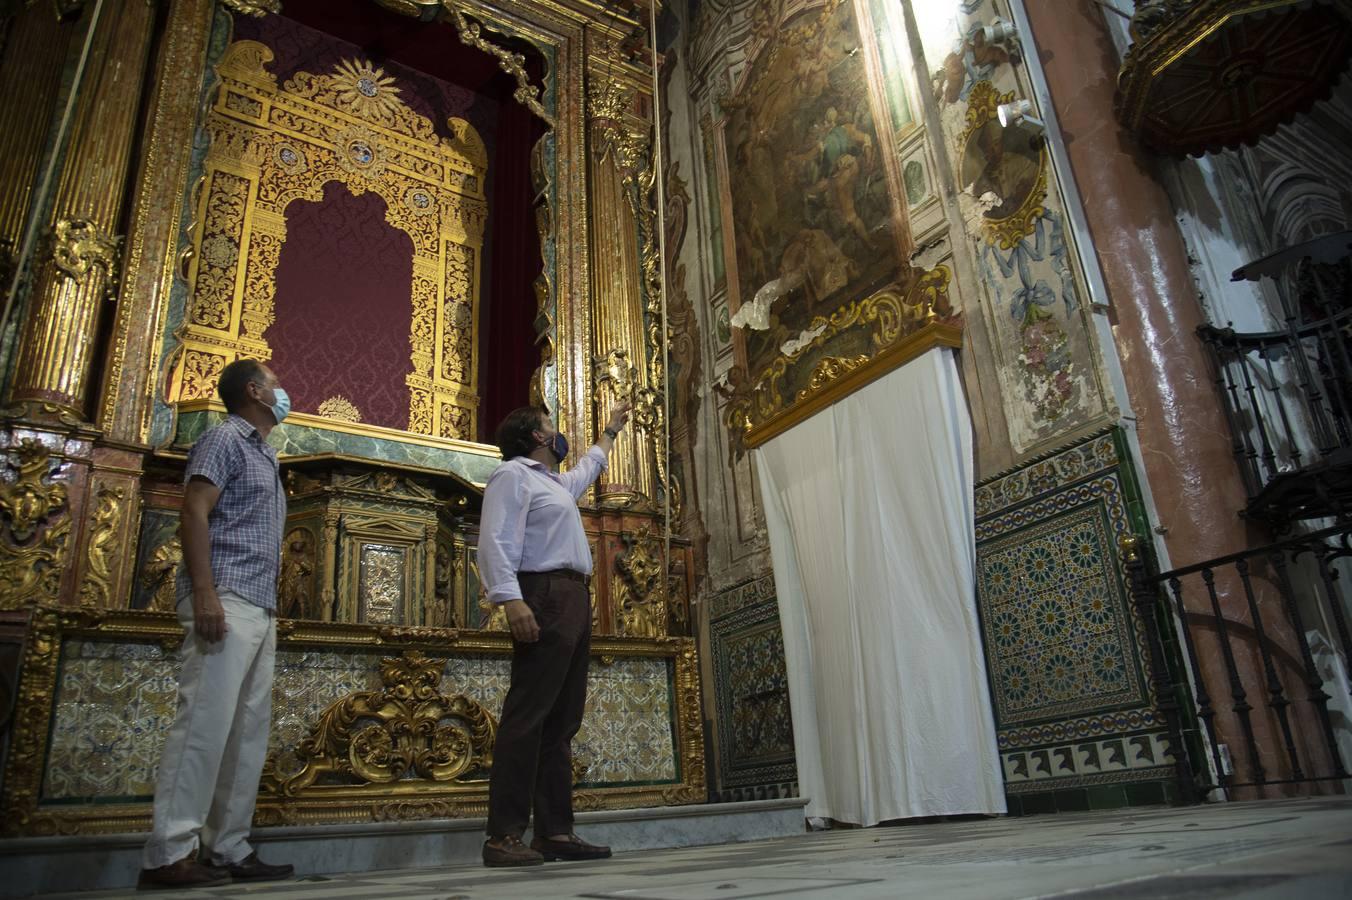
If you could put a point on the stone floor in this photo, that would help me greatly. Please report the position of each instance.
(1277, 849)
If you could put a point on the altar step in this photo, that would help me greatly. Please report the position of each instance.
(100, 862)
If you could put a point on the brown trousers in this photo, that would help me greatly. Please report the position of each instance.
(532, 759)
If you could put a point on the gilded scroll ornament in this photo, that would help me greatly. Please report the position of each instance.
(34, 528)
(104, 529)
(32, 497)
(881, 323)
(406, 730)
(78, 246)
(514, 64)
(255, 8)
(641, 608)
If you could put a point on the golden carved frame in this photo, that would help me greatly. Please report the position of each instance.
(22, 813)
(270, 146)
(881, 333)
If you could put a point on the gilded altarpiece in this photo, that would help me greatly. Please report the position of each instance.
(272, 145)
(382, 623)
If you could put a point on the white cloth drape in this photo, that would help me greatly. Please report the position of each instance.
(869, 510)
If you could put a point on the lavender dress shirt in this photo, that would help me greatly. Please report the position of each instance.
(530, 522)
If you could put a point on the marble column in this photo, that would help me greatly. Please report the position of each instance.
(1185, 441)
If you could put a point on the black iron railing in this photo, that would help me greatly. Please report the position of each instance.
(1265, 590)
(1287, 396)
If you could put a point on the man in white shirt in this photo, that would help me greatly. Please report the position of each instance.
(534, 559)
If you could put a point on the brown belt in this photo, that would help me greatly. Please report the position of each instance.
(560, 573)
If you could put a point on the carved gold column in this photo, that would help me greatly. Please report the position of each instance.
(30, 77)
(616, 163)
(133, 349)
(77, 266)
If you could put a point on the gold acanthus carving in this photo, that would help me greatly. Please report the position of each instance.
(472, 34)
(78, 246)
(34, 528)
(32, 497)
(827, 370)
(641, 608)
(105, 526)
(20, 812)
(408, 729)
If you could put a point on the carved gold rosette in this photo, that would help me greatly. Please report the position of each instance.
(271, 145)
(857, 344)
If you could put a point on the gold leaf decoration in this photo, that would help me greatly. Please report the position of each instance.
(340, 408)
(406, 730)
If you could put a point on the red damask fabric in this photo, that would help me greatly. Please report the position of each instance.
(343, 308)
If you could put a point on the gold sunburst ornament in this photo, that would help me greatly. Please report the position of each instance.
(366, 91)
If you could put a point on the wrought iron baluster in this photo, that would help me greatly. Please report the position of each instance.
(1276, 696)
(1205, 712)
(1268, 457)
(1276, 391)
(1317, 697)
(1330, 577)
(1239, 697)
(1325, 440)
(1335, 316)
(1240, 442)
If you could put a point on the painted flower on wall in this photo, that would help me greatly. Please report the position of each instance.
(1045, 358)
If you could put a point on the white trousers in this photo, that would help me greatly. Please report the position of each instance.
(214, 753)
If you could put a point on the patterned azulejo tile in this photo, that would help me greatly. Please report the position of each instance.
(1065, 648)
(755, 728)
(116, 700)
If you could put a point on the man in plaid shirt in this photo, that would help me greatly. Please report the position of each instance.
(234, 510)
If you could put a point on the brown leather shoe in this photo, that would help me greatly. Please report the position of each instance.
(251, 868)
(505, 851)
(571, 849)
(186, 873)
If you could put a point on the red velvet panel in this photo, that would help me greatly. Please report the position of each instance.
(343, 307)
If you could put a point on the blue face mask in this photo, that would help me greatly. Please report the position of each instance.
(558, 445)
(281, 406)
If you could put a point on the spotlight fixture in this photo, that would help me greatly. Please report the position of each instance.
(1000, 31)
(1020, 112)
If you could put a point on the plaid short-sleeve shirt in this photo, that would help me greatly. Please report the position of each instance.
(246, 524)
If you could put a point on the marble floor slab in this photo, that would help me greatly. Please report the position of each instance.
(1274, 850)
